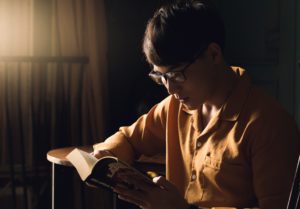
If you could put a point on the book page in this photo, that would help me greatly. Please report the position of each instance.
(82, 161)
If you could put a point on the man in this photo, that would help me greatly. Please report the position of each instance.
(227, 143)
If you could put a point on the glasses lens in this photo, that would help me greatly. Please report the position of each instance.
(175, 76)
(161, 79)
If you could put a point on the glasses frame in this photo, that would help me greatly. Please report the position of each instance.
(163, 78)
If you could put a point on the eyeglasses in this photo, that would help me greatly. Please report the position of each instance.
(176, 76)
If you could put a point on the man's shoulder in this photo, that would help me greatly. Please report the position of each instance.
(264, 102)
(265, 108)
(166, 105)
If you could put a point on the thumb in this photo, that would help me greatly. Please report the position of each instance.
(163, 182)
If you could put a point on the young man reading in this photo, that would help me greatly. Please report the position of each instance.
(227, 143)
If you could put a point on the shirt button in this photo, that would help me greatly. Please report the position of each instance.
(198, 145)
(193, 177)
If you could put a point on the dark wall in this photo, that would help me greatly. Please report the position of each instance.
(130, 90)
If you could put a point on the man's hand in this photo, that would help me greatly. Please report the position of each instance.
(160, 195)
(101, 153)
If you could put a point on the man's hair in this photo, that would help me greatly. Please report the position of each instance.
(180, 31)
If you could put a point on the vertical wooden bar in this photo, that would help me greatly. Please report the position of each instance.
(67, 99)
(10, 138)
(60, 110)
(79, 94)
(35, 101)
(47, 108)
(21, 139)
(79, 99)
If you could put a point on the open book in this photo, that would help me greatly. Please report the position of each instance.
(107, 171)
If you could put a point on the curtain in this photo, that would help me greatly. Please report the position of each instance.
(44, 103)
(15, 19)
(79, 30)
(29, 91)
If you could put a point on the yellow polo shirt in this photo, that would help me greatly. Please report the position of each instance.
(246, 155)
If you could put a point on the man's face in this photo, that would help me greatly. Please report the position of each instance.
(199, 85)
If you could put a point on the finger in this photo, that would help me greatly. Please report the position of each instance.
(101, 153)
(96, 153)
(164, 183)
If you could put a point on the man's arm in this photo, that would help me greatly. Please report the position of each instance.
(145, 136)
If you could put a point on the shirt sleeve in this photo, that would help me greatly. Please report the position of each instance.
(145, 136)
(274, 158)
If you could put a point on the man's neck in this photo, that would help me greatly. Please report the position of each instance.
(226, 81)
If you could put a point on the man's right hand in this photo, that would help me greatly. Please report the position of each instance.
(101, 153)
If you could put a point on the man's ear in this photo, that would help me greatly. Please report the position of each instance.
(215, 52)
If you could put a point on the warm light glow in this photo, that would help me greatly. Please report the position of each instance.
(15, 27)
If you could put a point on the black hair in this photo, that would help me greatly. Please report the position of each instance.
(179, 31)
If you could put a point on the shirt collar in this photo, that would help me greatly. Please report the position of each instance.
(237, 99)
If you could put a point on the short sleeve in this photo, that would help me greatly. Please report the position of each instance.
(145, 136)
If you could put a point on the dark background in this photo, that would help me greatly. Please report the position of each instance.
(131, 92)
